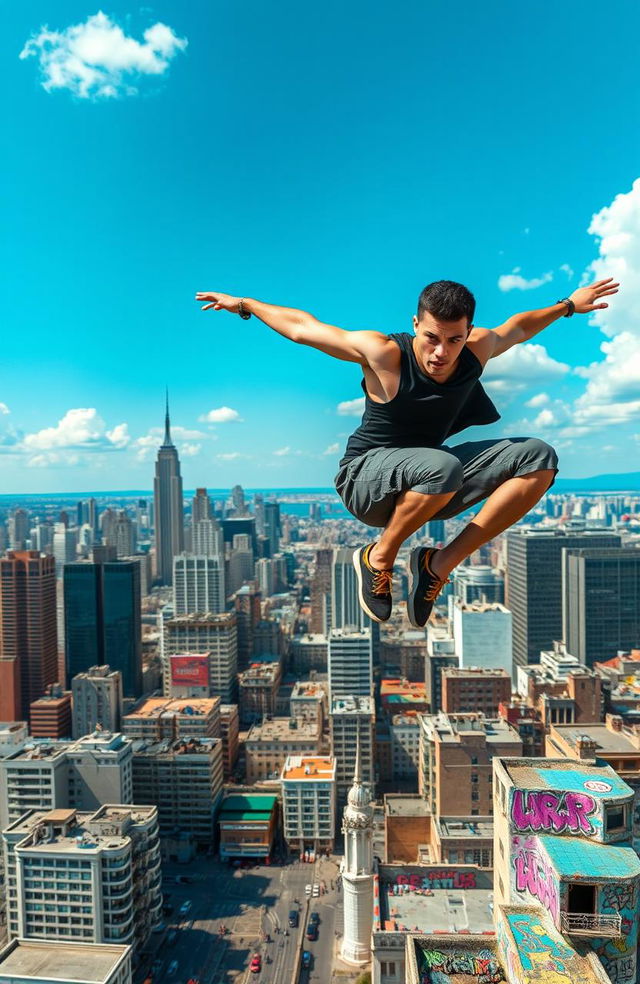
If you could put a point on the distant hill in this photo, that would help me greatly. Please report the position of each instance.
(627, 482)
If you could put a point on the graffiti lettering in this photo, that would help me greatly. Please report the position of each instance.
(535, 876)
(439, 879)
(553, 812)
(619, 897)
(621, 970)
(484, 967)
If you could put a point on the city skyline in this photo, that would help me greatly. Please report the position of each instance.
(344, 200)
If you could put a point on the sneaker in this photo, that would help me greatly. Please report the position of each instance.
(425, 586)
(374, 587)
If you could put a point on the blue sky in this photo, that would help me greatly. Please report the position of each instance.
(331, 159)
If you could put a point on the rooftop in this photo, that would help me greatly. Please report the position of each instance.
(308, 690)
(352, 705)
(445, 910)
(608, 741)
(475, 671)
(260, 672)
(73, 831)
(465, 827)
(169, 748)
(574, 857)
(201, 618)
(70, 963)
(566, 775)
(283, 729)
(153, 707)
(309, 768)
(449, 728)
(481, 607)
(257, 807)
(405, 806)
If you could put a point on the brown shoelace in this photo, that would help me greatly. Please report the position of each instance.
(382, 581)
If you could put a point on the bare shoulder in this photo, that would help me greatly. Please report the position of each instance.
(482, 342)
(380, 351)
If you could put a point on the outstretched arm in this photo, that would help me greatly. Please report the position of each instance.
(363, 347)
(522, 327)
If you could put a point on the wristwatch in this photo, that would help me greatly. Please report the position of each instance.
(571, 308)
(245, 315)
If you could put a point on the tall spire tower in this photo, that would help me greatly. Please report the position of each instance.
(357, 871)
(168, 512)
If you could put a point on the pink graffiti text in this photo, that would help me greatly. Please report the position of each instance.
(439, 879)
(555, 812)
(535, 876)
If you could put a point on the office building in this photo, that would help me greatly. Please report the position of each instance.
(198, 584)
(229, 733)
(352, 722)
(308, 702)
(168, 508)
(155, 718)
(404, 736)
(321, 592)
(97, 700)
(64, 546)
(534, 584)
(474, 689)
(482, 634)
(103, 622)
(201, 506)
(257, 691)
(18, 527)
(213, 634)
(309, 803)
(13, 736)
(207, 539)
(241, 565)
(350, 662)
(441, 652)
(601, 610)
(456, 753)
(309, 652)
(91, 877)
(246, 602)
(478, 582)
(398, 695)
(248, 825)
(346, 612)
(272, 528)
(123, 535)
(50, 715)
(28, 631)
(47, 775)
(184, 779)
(268, 744)
(24, 961)
(402, 654)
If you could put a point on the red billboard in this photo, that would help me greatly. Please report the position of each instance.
(190, 670)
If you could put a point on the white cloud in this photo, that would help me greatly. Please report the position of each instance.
(79, 428)
(231, 456)
(282, 452)
(351, 408)
(567, 269)
(97, 60)
(545, 418)
(521, 366)
(221, 415)
(183, 437)
(612, 394)
(4, 408)
(332, 449)
(538, 400)
(515, 281)
(119, 436)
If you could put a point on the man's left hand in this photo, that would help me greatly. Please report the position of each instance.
(587, 299)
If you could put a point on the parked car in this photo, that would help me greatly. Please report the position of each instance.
(314, 918)
(256, 964)
(316, 891)
(172, 968)
(185, 907)
(293, 918)
(312, 931)
(306, 959)
(307, 889)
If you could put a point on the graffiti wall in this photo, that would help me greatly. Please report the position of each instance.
(443, 966)
(422, 877)
(541, 955)
(543, 811)
(532, 876)
(618, 956)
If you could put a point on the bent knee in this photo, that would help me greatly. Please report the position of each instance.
(535, 455)
(439, 472)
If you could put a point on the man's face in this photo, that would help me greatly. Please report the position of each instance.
(439, 343)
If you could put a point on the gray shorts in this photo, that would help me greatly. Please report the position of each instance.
(369, 484)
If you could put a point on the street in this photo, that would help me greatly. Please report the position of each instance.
(252, 904)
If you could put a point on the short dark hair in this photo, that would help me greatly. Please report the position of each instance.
(448, 301)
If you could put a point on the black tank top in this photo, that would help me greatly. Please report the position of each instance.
(423, 413)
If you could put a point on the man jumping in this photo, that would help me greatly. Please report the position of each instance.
(397, 472)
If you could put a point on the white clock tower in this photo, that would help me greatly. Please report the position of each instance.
(357, 871)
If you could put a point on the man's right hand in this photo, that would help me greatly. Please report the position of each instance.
(218, 301)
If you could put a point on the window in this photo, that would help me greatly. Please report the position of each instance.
(615, 818)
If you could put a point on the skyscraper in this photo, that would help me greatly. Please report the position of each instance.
(350, 663)
(534, 585)
(345, 607)
(198, 584)
(601, 604)
(28, 631)
(168, 510)
(102, 620)
(272, 526)
(200, 506)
